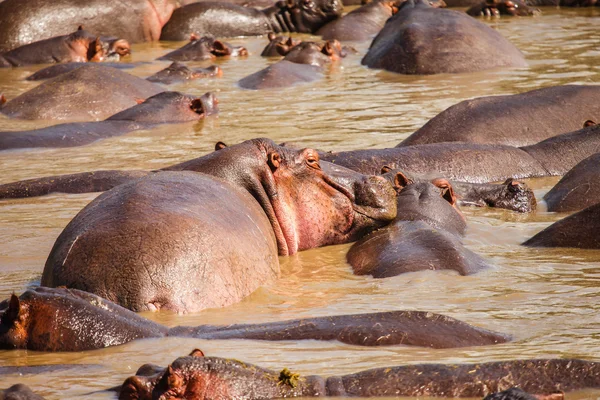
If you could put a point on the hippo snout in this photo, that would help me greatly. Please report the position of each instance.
(334, 7)
(375, 198)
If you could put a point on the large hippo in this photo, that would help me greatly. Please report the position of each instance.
(360, 24)
(426, 234)
(42, 318)
(19, 392)
(578, 189)
(62, 68)
(578, 230)
(165, 107)
(135, 20)
(227, 20)
(518, 120)
(471, 162)
(92, 92)
(303, 62)
(203, 378)
(79, 46)
(422, 40)
(179, 230)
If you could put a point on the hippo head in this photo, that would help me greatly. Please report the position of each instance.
(204, 48)
(309, 204)
(170, 107)
(14, 321)
(313, 53)
(309, 15)
(279, 45)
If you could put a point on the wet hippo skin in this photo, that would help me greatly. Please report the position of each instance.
(204, 48)
(19, 392)
(496, 8)
(215, 378)
(423, 40)
(578, 189)
(228, 20)
(42, 317)
(135, 20)
(516, 120)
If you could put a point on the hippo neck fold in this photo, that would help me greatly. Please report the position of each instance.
(281, 20)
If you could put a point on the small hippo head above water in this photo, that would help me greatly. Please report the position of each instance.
(170, 107)
(313, 53)
(204, 48)
(279, 45)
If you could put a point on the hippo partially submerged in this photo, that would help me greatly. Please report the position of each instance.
(203, 378)
(423, 40)
(42, 318)
(227, 20)
(227, 249)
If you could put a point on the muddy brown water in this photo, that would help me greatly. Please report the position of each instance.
(547, 299)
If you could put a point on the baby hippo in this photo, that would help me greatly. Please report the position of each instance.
(79, 46)
(426, 234)
(303, 62)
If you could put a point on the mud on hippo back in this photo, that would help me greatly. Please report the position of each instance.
(228, 20)
(169, 240)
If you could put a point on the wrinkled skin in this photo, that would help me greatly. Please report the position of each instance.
(229, 20)
(45, 319)
(360, 24)
(274, 196)
(165, 107)
(494, 8)
(79, 46)
(58, 69)
(178, 72)
(515, 393)
(202, 378)
(92, 92)
(204, 48)
(518, 120)
(425, 235)
(135, 20)
(477, 163)
(511, 194)
(578, 189)
(19, 392)
(579, 230)
(303, 62)
(423, 40)
(49, 314)
(278, 44)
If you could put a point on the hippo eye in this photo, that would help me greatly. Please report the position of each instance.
(313, 161)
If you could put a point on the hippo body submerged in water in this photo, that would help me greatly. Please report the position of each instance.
(272, 195)
(43, 319)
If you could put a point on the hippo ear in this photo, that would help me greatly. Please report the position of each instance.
(327, 49)
(447, 191)
(95, 51)
(290, 42)
(385, 169)
(220, 146)
(220, 49)
(139, 100)
(194, 36)
(80, 28)
(271, 36)
(273, 159)
(2, 99)
(14, 308)
(589, 122)
(197, 353)
(282, 49)
(401, 181)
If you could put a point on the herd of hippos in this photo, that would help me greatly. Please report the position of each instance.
(138, 245)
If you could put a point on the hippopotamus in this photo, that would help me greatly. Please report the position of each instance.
(58, 69)
(518, 119)
(204, 48)
(165, 107)
(426, 234)
(360, 24)
(178, 227)
(578, 189)
(515, 393)
(579, 230)
(135, 21)
(494, 8)
(278, 45)
(228, 20)
(41, 318)
(178, 72)
(92, 92)
(511, 194)
(202, 378)
(477, 163)
(19, 392)
(409, 41)
(303, 62)
(79, 46)
(564, 3)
